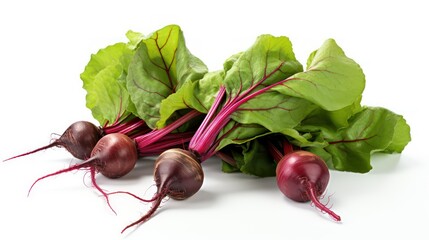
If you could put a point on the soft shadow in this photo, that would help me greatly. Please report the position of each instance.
(201, 200)
(384, 163)
(235, 183)
(308, 206)
(212, 165)
(144, 168)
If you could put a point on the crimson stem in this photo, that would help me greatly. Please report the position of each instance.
(127, 127)
(204, 143)
(145, 140)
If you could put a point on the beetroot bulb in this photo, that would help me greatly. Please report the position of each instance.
(114, 156)
(302, 176)
(81, 137)
(177, 175)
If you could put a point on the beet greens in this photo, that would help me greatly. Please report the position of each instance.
(264, 90)
(160, 67)
(266, 86)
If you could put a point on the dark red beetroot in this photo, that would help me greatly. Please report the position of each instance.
(176, 175)
(114, 156)
(303, 176)
(79, 139)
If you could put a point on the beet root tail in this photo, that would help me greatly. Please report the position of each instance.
(99, 189)
(134, 196)
(157, 199)
(53, 144)
(311, 192)
(84, 164)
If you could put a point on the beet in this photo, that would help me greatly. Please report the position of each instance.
(79, 139)
(178, 174)
(114, 156)
(303, 176)
(178, 171)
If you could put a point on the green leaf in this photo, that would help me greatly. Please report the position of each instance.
(323, 119)
(332, 80)
(237, 133)
(274, 111)
(198, 95)
(401, 136)
(374, 129)
(251, 158)
(227, 65)
(161, 65)
(269, 60)
(103, 79)
(134, 39)
(318, 94)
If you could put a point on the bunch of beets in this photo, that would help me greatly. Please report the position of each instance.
(261, 114)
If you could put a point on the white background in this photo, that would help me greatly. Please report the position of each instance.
(45, 45)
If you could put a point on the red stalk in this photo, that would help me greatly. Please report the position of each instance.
(172, 140)
(203, 143)
(275, 152)
(126, 127)
(155, 135)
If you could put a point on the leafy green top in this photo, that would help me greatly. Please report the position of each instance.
(261, 91)
(161, 65)
(104, 80)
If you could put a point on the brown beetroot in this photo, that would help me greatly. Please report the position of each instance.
(79, 139)
(178, 175)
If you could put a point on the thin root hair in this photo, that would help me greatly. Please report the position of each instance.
(84, 176)
(145, 192)
(54, 137)
(99, 189)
